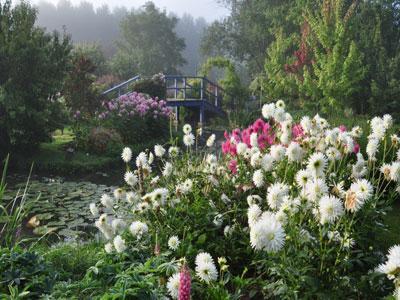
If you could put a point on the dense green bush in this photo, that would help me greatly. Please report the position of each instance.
(104, 141)
(25, 270)
(33, 64)
(154, 87)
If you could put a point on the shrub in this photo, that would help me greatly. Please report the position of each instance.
(104, 141)
(25, 270)
(136, 118)
(154, 87)
(291, 210)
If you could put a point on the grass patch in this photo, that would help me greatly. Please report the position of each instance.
(52, 158)
(72, 260)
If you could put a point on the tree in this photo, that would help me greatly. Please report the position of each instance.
(379, 41)
(250, 29)
(338, 60)
(334, 77)
(94, 53)
(149, 44)
(79, 92)
(32, 68)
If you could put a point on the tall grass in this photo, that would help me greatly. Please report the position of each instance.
(13, 213)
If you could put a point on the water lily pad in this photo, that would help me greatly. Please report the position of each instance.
(44, 216)
(70, 233)
(41, 230)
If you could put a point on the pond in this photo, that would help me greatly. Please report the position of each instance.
(60, 206)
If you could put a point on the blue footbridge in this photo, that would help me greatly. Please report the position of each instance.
(195, 92)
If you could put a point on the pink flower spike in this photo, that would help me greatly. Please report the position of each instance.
(184, 284)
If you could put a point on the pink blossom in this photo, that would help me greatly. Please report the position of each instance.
(297, 131)
(342, 128)
(356, 148)
(233, 166)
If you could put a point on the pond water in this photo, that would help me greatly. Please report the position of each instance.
(60, 205)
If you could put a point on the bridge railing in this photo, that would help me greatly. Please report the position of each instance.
(121, 88)
(187, 88)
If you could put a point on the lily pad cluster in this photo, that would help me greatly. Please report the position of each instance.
(62, 207)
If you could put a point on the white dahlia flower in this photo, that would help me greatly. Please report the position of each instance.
(159, 150)
(138, 229)
(210, 141)
(126, 154)
(130, 178)
(317, 163)
(267, 234)
(258, 178)
(268, 110)
(188, 139)
(119, 244)
(187, 129)
(330, 209)
(173, 285)
(205, 268)
(173, 242)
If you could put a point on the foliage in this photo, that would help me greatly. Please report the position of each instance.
(94, 53)
(26, 271)
(249, 30)
(33, 65)
(136, 118)
(53, 158)
(79, 90)
(82, 256)
(154, 86)
(13, 210)
(103, 140)
(378, 40)
(344, 59)
(235, 92)
(149, 44)
(318, 55)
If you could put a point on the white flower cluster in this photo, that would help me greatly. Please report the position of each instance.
(205, 268)
(307, 183)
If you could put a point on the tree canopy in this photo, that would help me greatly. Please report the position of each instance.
(323, 55)
(32, 68)
(149, 44)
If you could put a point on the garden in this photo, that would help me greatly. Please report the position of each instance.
(293, 195)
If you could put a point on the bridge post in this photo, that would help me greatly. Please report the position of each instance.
(176, 88)
(201, 88)
(177, 113)
(202, 115)
(184, 88)
(216, 96)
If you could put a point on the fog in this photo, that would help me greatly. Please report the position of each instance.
(87, 23)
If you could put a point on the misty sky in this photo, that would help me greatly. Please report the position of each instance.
(209, 9)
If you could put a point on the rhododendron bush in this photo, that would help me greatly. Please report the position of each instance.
(286, 209)
(136, 117)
